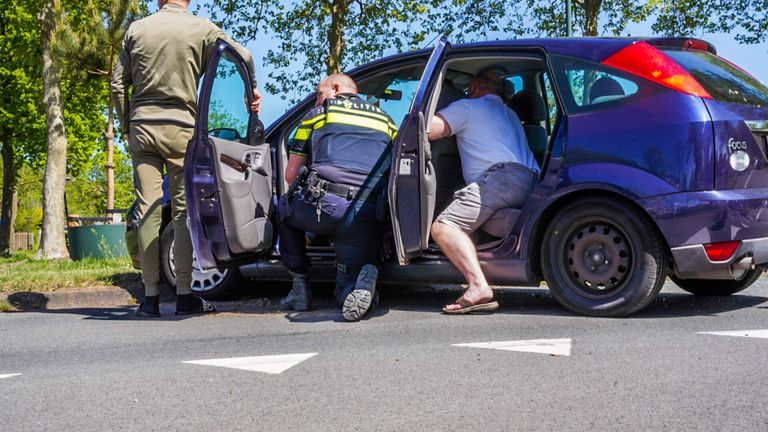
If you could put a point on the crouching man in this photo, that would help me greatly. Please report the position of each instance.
(347, 144)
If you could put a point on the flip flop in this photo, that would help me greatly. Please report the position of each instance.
(468, 307)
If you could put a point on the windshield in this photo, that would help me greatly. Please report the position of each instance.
(723, 80)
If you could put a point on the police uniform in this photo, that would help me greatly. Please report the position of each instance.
(154, 89)
(349, 144)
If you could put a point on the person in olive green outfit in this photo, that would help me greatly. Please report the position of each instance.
(154, 88)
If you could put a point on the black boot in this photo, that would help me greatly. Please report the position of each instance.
(188, 304)
(300, 297)
(364, 298)
(149, 308)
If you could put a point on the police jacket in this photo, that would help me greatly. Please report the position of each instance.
(348, 140)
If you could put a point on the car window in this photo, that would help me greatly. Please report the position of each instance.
(551, 101)
(396, 98)
(722, 80)
(589, 85)
(227, 110)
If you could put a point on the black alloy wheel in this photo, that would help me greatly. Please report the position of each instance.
(601, 257)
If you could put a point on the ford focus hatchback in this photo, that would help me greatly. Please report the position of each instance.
(653, 153)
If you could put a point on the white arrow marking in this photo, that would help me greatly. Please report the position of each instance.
(8, 375)
(763, 334)
(271, 364)
(558, 347)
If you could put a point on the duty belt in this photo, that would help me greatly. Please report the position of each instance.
(318, 187)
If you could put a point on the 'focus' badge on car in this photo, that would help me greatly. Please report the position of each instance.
(734, 145)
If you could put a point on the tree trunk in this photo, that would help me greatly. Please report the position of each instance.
(591, 13)
(52, 242)
(110, 142)
(339, 11)
(8, 211)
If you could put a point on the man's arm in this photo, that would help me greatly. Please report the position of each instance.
(439, 128)
(121, 82)
(295, 162)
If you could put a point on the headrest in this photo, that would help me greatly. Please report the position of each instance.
(605, 86)
(529, 106)
(448, 95)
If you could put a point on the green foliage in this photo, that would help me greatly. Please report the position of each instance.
(22, 122)
(87, 192)
(303, 28)
(745, 19)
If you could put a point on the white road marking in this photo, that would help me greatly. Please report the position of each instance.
(557, 347)
(271, 364)
(8, 375)
(762, 334)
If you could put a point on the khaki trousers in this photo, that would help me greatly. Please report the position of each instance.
(154, 146)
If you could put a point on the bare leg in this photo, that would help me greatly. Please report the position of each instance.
(458, 247)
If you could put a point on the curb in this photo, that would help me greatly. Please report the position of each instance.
(71, 298)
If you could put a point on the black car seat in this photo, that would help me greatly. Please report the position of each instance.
(445, 155)
(532, 110)
(605, 89)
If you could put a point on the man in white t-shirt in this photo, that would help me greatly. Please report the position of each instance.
(499, 169)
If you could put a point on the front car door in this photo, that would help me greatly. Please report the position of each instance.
(228, 172)
(412, 168)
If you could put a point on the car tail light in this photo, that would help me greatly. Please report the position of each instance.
(721, 251)
(645, 61)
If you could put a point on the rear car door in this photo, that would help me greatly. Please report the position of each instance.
(412, 182)
(228, 171)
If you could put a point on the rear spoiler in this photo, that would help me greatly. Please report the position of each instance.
(682, 43)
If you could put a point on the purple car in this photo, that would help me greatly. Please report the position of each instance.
(653, 153)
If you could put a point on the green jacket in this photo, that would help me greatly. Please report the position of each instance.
(162, 59)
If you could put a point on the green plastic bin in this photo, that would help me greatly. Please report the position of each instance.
(97, 241)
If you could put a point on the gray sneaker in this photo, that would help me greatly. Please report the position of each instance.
(360, 300)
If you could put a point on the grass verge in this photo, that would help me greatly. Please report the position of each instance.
(21, 272)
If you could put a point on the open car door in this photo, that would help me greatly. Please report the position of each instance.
(412, 182)
(228, 171)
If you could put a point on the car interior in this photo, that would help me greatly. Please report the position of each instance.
(528, 92)
(525, 94)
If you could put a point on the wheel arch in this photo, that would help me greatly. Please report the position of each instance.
(548, 212)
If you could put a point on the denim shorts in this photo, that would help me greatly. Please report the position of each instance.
(504, 185)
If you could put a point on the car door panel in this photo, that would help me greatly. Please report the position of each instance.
(228, 170)
(244, 175)
(412, 184)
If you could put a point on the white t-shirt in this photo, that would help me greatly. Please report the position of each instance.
(487, 132)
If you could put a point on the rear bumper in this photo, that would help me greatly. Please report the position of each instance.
(691, 262)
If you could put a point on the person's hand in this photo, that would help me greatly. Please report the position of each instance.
(256, 104)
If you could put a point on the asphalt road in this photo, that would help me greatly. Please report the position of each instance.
(103, 370)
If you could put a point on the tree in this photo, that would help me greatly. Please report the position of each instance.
(98, 44)
(746, 19)
(52, 242)
(21, 121)
(323, 37)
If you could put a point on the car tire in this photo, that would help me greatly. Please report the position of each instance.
(603, 258)
(717, 288)
(217, 284)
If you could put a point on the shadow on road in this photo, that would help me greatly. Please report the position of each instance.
(264, 300)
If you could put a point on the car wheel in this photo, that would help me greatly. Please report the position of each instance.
(212, 284)
(714, 288)
(603, 258)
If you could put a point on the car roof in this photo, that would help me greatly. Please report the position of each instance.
(589, 48)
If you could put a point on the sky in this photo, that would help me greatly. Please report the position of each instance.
(752, 58)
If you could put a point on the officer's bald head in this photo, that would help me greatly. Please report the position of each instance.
(334, 85)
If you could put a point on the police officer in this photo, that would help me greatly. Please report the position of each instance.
(161, 61)
(347, 144)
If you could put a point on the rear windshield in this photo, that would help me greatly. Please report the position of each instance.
(724, 81)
